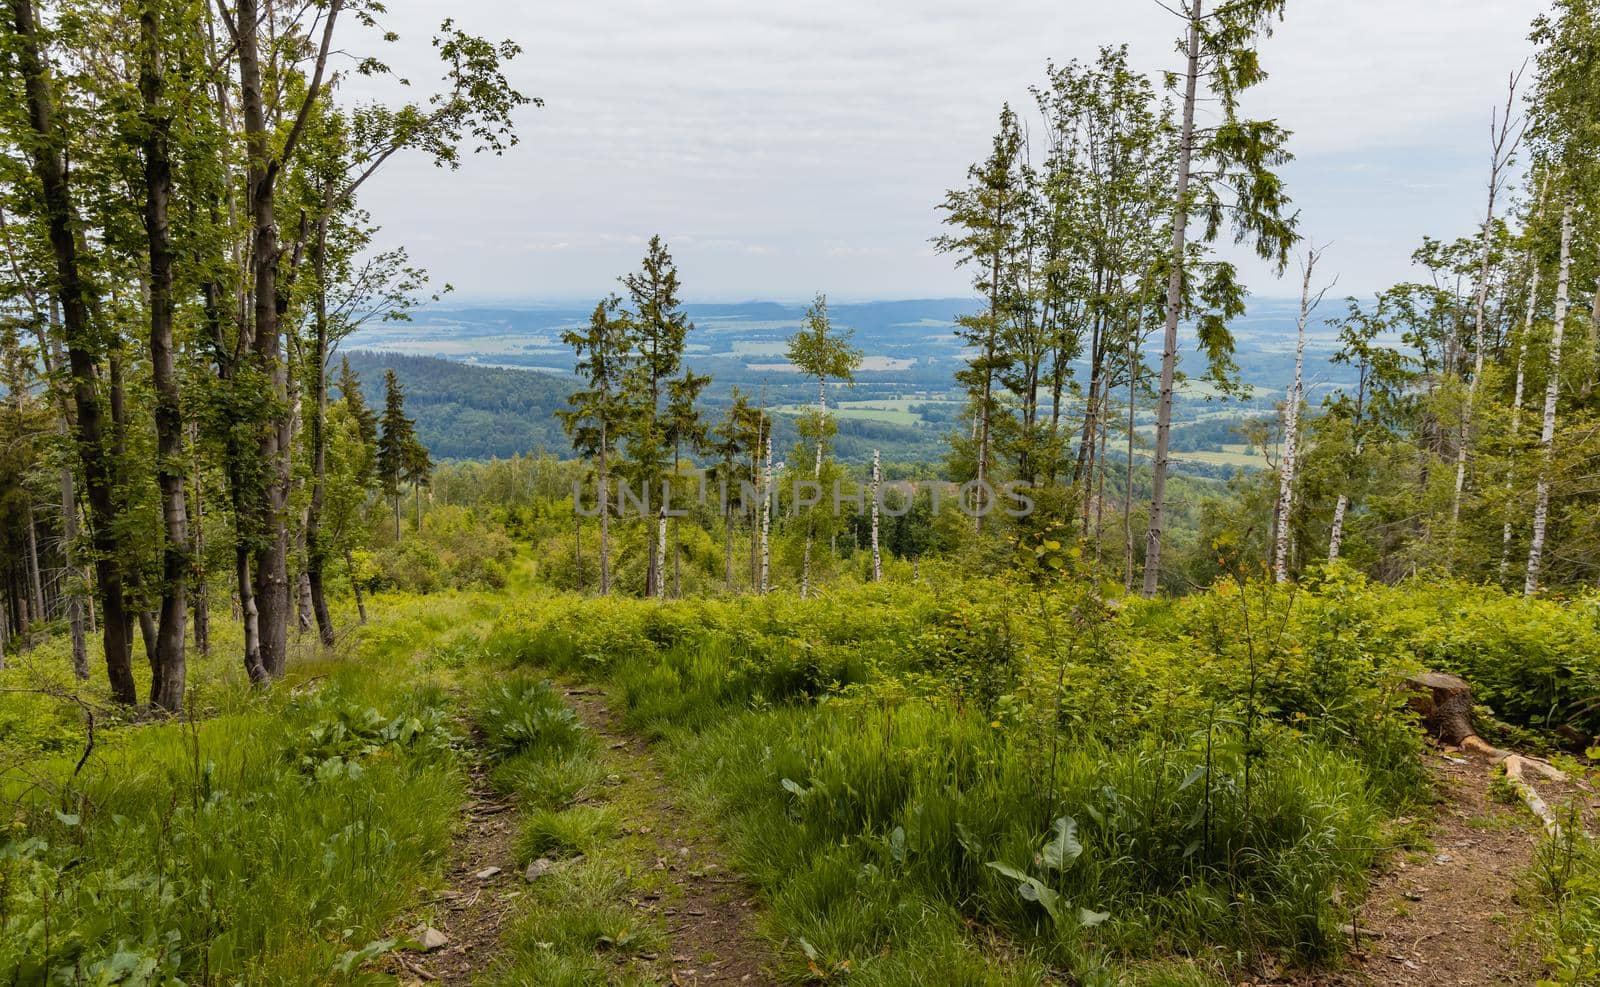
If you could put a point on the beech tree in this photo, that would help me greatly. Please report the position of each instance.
(1224, 177)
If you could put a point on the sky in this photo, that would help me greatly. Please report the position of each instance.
(786, 149)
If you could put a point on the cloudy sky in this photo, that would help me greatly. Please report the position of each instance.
(784, 149)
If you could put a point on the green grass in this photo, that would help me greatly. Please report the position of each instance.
(574, 924)
(892, 773)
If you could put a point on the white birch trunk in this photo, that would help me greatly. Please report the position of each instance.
(661, 553)
(1516, 412)
(1337, 536)
(605, 518)
(1169, 349)
(877, 480)
(766, 519)
(1291, 427)
(1552, 391)
(811, 526)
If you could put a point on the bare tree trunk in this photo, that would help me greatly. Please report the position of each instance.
(316, 551)
(605, 517)
(1552, 391)
(661, 552)
(1500, 135)
(35, 582)
(1516, 410)
(49, 166)
(877, 490)
(766, 520)
(1127, 491)
(1291, 424)
(355, 585)
(1169, 346)
(167, 688)
(811, 526)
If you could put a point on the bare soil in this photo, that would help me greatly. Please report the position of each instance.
(708, 910)
(1453, 915)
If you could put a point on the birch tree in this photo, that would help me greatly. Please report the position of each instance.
(1503, 144)
(1291, 416)
(1552, 394)
(822, 353)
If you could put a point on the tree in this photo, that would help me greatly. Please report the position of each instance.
(820, 352)
(598, 412)
(988, 215)
(1291, 418)
(84, 340)
(1224, 176)
(658, 328)
(398, 461)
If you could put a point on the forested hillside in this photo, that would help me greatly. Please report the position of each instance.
(1013, 641)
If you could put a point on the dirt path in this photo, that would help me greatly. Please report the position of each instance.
(708, 911)
(1452, 916)
(477, 898)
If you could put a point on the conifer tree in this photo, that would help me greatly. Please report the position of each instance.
(598, 412)
(397, 446)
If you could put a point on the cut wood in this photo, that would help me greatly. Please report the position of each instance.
(1445, 704)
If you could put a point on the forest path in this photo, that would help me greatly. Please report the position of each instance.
(478, 896)
(706, 908)
(1453, 915)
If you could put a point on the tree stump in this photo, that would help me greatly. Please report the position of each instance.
(1445, 704)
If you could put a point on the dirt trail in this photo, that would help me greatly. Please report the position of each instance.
(709, 912)
(1452, 916)
(478, 895)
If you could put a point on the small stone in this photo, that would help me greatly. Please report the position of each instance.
(488, 874)
(644, 830)
(538, 869)
(432, 939)
(1443, 858)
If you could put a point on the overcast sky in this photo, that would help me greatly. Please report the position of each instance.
(784, 149)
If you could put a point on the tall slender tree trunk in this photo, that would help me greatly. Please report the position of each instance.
(1552, 392)
(1127, 490)
(811, 524)
(167, 688)
(35, 581)
(1516, 411)
(605, 517)
(201, 603)
(49, 167)
(766, 519)
(316, 551)
(1480, 304)
(661, 551)
(1291, 428)
(877, 492)
(355, 586)
(268, 503)
(1169, 345)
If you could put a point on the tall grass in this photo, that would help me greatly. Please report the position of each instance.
(265, 844)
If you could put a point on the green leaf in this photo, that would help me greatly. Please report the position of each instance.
(1064, 849)
(1089, 919)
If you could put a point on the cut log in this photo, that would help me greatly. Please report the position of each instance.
(1444, 702)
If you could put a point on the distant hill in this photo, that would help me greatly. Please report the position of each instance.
(471, 412)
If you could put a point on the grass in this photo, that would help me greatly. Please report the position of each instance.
(915, 810)
(264, 844)
(574, 925)
(269, 840)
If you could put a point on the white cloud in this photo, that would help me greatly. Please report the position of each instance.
(809, 143)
